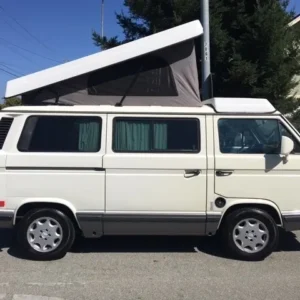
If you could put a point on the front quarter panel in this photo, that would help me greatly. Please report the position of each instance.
(215, 215)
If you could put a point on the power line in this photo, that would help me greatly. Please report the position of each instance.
(13, 28)
(9, 25)
(25, 29)
(10, 73)
(6, 63)
(18, 53)
(29, 51)
(12, 69)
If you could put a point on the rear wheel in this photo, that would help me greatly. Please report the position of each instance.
(45, 234)
(250, 234)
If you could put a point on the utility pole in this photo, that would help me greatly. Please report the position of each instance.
(102, 18)
(205, 51)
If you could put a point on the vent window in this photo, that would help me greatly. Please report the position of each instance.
(5, 124)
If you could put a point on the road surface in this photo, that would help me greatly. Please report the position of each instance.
(150, 268)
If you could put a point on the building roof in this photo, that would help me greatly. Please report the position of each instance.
(212, 106)
(104, 59)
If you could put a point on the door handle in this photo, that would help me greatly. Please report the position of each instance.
(191, 173)
(223, 173)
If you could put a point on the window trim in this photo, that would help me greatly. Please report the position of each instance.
(197, 151)
(252, 118)
(62, 152)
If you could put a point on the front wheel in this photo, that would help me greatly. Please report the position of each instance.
(45, 234)
(250, 234)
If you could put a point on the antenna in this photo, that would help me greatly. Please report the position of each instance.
(102, 18)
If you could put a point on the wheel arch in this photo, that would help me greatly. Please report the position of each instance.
(60, 204)
(265, 205)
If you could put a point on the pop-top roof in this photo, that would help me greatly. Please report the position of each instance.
(295, 21)
(104, 59)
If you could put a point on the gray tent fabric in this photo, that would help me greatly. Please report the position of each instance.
(167, 77)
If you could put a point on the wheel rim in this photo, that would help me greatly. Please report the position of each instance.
(251, 235)
(44, 234)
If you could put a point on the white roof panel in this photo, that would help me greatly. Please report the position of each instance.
(295, 21)
(211, 106)
(104, 59)
(240, 105)
(96, 109)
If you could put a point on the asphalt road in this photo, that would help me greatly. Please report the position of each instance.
(150, 268)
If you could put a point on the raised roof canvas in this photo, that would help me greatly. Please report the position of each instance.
(157, 70)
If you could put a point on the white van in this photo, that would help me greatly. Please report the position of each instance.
(231, 166)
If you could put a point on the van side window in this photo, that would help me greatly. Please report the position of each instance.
(156, 135)
(249, 136)
(61, 134)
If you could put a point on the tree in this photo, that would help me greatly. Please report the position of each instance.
(149, 16)
(13, 101)
(259, 54)
(254, 52)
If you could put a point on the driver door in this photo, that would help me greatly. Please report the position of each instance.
(248, 164)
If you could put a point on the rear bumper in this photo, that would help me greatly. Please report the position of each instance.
(291, 222)
(6, 218)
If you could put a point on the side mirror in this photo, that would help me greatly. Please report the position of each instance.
(287, 146)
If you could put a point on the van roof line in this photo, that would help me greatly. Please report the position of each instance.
(211, 106)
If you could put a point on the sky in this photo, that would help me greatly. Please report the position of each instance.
(59, 30)
(64, 28)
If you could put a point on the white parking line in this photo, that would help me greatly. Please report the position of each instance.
(34, 297)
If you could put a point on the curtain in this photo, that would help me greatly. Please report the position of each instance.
(89, 133)
(132, 136)
(160, 131)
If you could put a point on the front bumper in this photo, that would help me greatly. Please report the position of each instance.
(291, 222)
(6, 219)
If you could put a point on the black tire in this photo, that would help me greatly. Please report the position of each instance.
(234, 218)
(68, 234)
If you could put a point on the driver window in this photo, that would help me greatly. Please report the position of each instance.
(249, 136)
